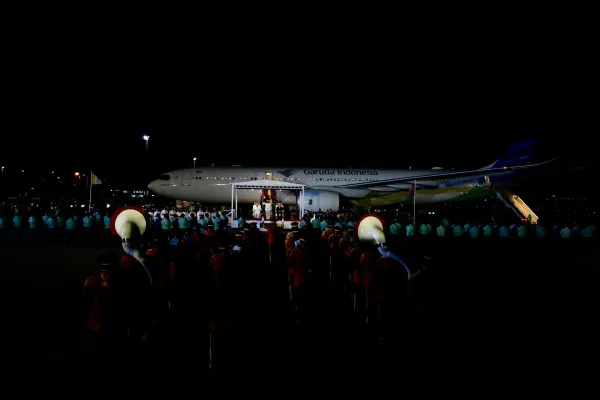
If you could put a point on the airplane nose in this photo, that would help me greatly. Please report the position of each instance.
(151, 185)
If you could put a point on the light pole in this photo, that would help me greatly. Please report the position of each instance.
(146, 139)
(194, 162)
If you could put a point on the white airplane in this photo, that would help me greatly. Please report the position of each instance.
(324, 186)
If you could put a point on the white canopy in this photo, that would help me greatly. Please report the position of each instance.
(266, 184)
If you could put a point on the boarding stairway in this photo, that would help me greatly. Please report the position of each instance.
(515, 203)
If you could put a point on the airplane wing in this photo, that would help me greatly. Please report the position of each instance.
(444, 175)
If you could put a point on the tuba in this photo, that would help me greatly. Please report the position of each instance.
(370, 228)
(129, 224)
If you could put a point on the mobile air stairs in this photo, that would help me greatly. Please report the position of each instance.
(515, 203)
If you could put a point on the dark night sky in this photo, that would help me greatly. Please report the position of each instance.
(440, 106)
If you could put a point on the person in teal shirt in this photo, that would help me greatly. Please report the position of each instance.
(441, 230)
(32, 222)
(458, 230)
(60, 221)
(540, 232)
(474, 232)
(487, 230)
(51, 222)
(183, 223)
(166, 223)
(71, 224)
(395, 228)
(316, 223)
(87, 221)
(17, 221)
(106, 222)
(323, 226)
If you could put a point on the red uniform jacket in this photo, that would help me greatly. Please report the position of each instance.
(218, 263)
(97, 287)
(333, 240)
(367, 262)
(299, 264)
(328, 232)
(289, 241)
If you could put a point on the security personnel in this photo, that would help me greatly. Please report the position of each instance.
(504, 231)
(522, 231)
(410, 230)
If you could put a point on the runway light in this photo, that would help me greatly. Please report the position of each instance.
(76, 173)
(146, 137)
(107, 205)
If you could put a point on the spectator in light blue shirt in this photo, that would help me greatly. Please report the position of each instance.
(87, 221)
(71, 224)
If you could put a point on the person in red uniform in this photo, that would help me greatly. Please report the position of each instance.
(218, 263)
(388, 292)
(291, 237)
(298, 261)
(99, 299)
(210, 236)
(327, 232)
(367, 262)
(335, 254)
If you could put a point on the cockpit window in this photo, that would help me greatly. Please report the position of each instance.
(165, 177)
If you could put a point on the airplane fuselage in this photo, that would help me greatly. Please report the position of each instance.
(213, 185)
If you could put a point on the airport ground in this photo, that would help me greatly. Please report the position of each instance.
(497, 307)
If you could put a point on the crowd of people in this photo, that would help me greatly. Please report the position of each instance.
(197, 264)
(203, 268)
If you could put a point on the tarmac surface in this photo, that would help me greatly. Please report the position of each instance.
(498, 306)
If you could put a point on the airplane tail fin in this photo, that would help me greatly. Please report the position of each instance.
(520, 154)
